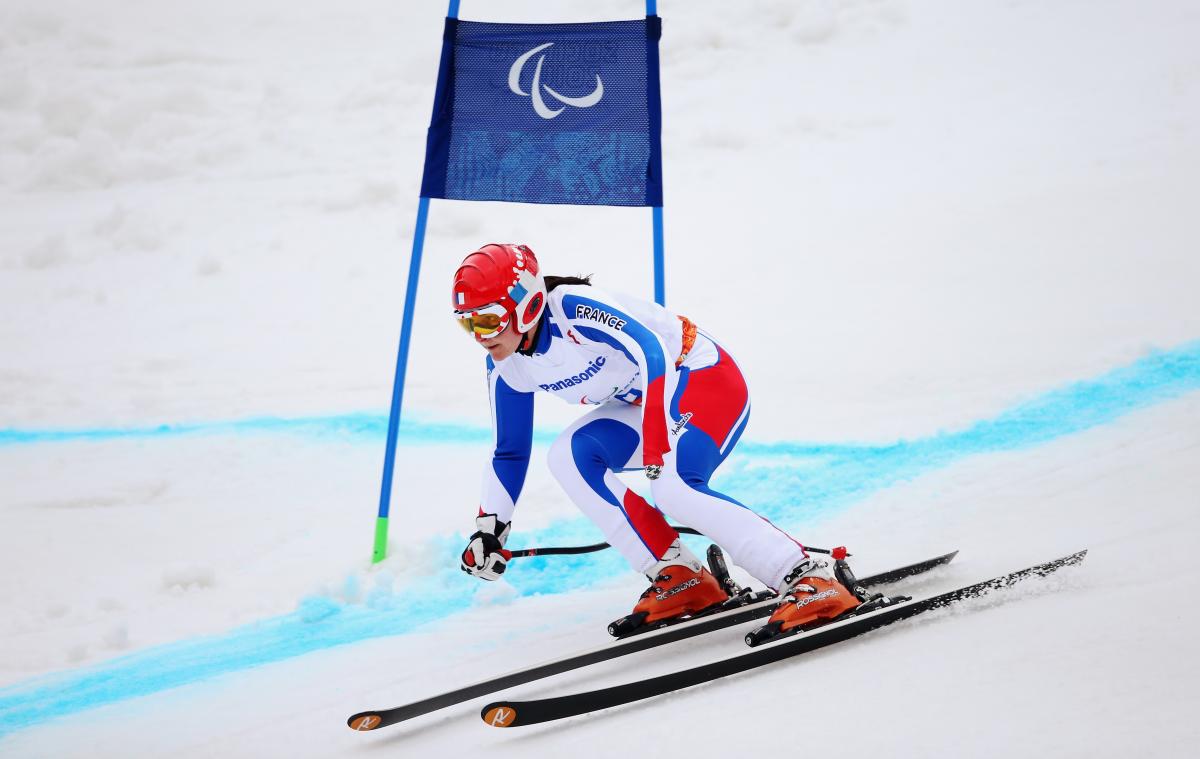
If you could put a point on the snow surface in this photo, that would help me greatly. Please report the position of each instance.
(952, 245)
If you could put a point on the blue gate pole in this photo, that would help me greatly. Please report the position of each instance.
(660, 267)
(410, 303)
(389, 459)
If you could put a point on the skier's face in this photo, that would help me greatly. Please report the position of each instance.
(502, 345)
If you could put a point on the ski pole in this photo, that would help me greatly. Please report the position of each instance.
(568, 550)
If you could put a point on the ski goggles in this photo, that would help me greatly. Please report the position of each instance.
(485, 323)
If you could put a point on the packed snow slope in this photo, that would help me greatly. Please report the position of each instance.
(953, 248)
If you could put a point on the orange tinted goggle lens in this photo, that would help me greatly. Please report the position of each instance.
(484, 325)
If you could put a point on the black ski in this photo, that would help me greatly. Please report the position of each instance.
(518, 713)
(373, 720)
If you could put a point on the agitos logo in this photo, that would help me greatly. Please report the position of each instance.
(535, 89)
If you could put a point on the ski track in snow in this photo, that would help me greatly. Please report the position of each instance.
(788, 482)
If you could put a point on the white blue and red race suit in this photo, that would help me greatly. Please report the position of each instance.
(666, 393)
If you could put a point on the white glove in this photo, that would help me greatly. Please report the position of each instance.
(485, 556)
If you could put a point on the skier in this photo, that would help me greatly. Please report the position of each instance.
(668, 399)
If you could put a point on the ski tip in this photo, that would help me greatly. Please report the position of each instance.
(499, 714)
(1069, 560)
(944, 559)
(365, 721)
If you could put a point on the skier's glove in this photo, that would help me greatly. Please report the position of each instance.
(652, 463)
(485, 556)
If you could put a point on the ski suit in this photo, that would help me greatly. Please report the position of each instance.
(665, 393)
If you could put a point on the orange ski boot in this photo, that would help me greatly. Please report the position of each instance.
(811, 594)
(680, 586)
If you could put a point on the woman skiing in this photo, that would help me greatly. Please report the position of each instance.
(668, 399)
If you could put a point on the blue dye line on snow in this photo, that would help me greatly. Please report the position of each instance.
(1159, 376)
(350, 427)
(788, 482)
(801, 480)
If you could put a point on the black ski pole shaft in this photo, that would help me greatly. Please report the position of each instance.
(569, 550)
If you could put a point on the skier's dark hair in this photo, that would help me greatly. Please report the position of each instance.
(553, 281)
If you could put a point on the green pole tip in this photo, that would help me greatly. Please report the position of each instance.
(381, 536)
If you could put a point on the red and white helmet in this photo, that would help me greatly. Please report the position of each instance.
(503, 275)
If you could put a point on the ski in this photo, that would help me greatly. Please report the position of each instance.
(519, 713)
(373, 720)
